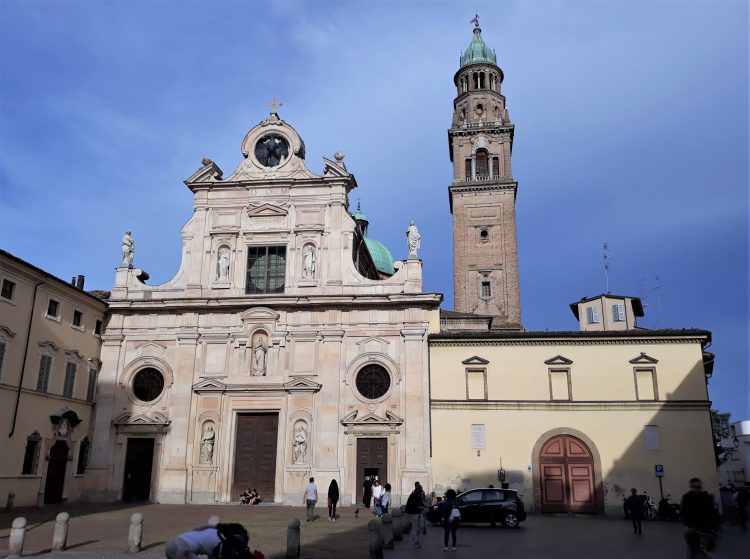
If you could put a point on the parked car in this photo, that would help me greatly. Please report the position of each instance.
(485, 505)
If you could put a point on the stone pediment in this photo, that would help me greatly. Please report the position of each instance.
(334, 169)
(373, 345)
(209, 172)
(476, 360)
(154, 419)
(259, 314)
(644, 359)
(74, 354)
(49, 346)
(209, 385)
(301, 384)
(266, 210)
(7, 332)
(390, 419)
(151, 349)
(558, 360)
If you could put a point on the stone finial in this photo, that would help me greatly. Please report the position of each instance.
(339, 156)
(206, 161)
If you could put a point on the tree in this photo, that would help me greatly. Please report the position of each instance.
(720, 429)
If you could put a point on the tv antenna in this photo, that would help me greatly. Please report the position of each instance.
(607, 255)
(658, 288)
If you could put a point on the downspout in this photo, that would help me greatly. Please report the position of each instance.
(23, 365)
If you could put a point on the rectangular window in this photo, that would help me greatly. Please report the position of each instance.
(53, 308)
(651, 437)
(486, 290)
(645, 384)
(2, 357)
(91, 387)
(559, 384)
(468, 169)
(476, 387)
(477, 436)
(77, 318)
(42, 381)
(266, 269)
(618, 312)
(8, 290)
(70, 380)
(592, 315)
(495, 167)
(30, 457)
(98, 328)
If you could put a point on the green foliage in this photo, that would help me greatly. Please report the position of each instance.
(720, 429)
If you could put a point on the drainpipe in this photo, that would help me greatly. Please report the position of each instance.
(23, 365)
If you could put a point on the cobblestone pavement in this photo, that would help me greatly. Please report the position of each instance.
(100, 531)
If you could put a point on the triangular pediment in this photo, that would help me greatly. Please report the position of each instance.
(209, 385)
(372, 419)
(332, 168)
(155, 419)
(558, 360)
(266, 210)
(302, 384)
(210, 172)
(644, 359)
(151, 349)
(475, 360)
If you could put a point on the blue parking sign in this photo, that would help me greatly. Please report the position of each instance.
(659, 470)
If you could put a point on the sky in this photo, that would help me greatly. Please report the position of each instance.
(631, 129)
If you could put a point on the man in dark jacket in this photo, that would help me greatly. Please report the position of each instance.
(414, 507)
(699, 517)
(367, 492)
(634, 504)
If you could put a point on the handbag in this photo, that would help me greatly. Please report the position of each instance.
(454, 515)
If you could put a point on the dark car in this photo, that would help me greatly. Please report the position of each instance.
(485, 505)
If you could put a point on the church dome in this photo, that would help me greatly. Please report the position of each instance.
(381, 256)
(478, 51)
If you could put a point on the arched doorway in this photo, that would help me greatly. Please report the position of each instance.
(567, 483)
(55, 482)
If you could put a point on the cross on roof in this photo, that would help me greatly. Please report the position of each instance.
(275, 104)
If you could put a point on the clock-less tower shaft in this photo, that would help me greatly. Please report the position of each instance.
(483, 191)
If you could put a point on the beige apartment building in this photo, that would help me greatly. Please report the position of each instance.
(50, 340)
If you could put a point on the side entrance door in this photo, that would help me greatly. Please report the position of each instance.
(567, 476)
(255, 455)
(372, 460)
(55, 482)
(139, 459)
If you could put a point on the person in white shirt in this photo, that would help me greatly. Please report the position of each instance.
(310, 498)
(377, 492)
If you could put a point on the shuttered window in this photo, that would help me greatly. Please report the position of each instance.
(618, 312)
(592, 315)
(42, 381)
(70, 380)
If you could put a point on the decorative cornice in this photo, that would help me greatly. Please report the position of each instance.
(560, 342)
(583, 406)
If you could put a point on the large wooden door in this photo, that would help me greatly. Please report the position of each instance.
(567, 476)
(139, 459)
(372, 460)
(255, 455)
(55, 482)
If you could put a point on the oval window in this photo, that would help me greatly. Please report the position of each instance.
(373, 381)
(148, 384)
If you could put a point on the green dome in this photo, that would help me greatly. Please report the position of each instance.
(381, 256)
(359, 216)
(478, 51)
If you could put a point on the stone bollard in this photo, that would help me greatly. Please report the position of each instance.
(10, 501)
(214, 520)
(398, 518)
(135, 534)
(292, 538)
(60, 535)
(375, 539)
(387, 531)
(17, 535)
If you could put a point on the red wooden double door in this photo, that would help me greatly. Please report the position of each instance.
(567, 476)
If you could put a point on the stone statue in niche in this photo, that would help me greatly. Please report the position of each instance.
(413, 239)
(207, 445)
(259, 358)
(308, 269)
(223, 265)
(300, 443)
(128, 250)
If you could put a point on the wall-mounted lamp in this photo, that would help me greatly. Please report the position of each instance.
(501, 474)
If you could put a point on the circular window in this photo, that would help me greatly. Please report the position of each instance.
(148, 384)
(373, 381)
(272, 150)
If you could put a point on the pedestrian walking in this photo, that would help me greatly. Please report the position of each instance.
(451, 518)
(377, 491)
(333, 498)
(634, 504)
(414, 507)
(310, 498)
(700, 520)
(367, 492)
(384, 502)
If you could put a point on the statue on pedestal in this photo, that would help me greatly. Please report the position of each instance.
(300, 443)
(207, 445)
(413, 239)
(128, 250)
(259, 358)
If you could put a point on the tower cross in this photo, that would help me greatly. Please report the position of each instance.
(475, 21)
(275, 104)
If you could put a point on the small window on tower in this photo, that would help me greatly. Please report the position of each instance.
(495, 167)
(486, 290)
(482, 163)
(484, 236)
(468, 169)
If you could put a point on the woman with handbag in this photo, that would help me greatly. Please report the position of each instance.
(451, 518)
(333, 498)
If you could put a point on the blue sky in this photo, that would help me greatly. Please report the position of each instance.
(631, 128)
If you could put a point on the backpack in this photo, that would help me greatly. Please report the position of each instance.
(234, 542)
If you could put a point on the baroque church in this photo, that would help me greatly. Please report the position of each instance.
(290, 344)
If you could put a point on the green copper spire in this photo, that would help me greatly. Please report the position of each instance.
(478, 51)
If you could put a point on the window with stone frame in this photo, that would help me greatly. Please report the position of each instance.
(8, 290)
(645, 383)
(467, 166)
(70, 379)
(266, 269)
(495, 167)
(31, 454)
(53, 309)
(77, 319)
(559, 384)
(476, 384)
(91, 385)
(42, 381)
(98, 328)
(482, 163)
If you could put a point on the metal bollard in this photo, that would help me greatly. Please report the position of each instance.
(135, 534)
(292, 538)
(375, 539)
(10, 501)
(17, 535)
(60, 534)
(387, 531)
(398, 518)
(214, 520)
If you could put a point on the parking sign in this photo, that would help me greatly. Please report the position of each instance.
(659, 470)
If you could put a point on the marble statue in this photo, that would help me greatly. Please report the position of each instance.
(300, 443)
(259, 358)
(223, 265)
(207, 446)
(413, 239)
(308, 270)
(128, 249)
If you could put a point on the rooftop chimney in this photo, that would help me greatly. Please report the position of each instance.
(79, 281)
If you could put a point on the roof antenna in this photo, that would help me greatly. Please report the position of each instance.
(658, 288)
(607, 254)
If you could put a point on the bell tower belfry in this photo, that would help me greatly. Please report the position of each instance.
(483, 192)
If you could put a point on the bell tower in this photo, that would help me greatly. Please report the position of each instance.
(483, 192)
